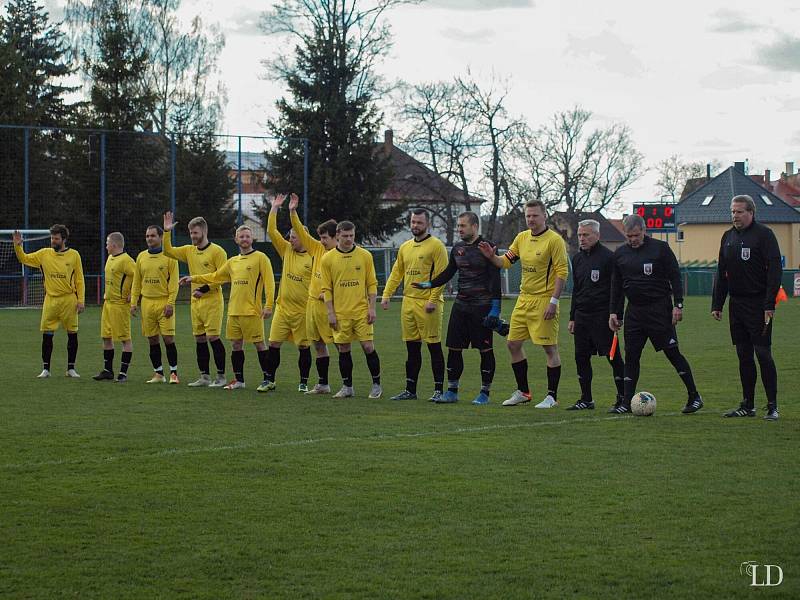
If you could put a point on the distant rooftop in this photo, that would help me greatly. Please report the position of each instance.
(251, 161)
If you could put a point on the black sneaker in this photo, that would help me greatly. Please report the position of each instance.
(437, 396)
(104, 376)
(772, 414)
(582, 405)
(742, 411)
(619, 402)
(121, 378)
(620, 409)
(693, 404)
(404, 395)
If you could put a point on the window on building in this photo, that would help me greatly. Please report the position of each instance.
(707, 200)
(681, 235)
(766, 200)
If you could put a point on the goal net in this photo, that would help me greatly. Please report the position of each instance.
(21, 285)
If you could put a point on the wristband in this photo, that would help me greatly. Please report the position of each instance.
(554, 301)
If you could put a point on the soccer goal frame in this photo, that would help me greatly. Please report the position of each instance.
(25, 273)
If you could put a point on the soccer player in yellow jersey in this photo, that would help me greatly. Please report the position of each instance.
(251, 277)
(207, 305)
(419, 259)
(350, 287)
(64, 293)
(543, 256)
(155, 282)
(289, 320)
(317, 327)
(115, 322)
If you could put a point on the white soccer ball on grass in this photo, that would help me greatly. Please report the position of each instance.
(643, 404)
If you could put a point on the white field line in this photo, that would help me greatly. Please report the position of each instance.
(308, 442)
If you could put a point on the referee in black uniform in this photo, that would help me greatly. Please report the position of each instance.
(646, 272)
(588, 314)
(478, 297)
(749, 270)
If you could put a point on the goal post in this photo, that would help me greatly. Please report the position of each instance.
(20, 285)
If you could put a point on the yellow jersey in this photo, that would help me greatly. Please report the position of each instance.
(543, 258)
(347, 279)
(251, 276)
(203, 260)
(295, 272)
(62, 271)
(316, 249)
(120, 271)
(155, 276)
(417, 262)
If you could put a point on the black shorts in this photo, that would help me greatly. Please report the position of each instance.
(746, 316)
(466, 329)
(650, 322)
(592, 334)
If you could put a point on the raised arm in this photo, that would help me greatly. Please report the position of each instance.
(309, 243)
(31, 260)
(280, 244)
(179, 253)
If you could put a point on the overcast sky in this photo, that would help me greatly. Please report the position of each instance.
(705, 79)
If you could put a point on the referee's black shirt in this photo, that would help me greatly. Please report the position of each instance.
(644, 275)
(591, 281)
(478, 279)
(749, 266)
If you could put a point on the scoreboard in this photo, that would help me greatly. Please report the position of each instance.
(657, 217)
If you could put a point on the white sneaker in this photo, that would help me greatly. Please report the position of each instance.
(72, 373)
(218, 382)
(548, 402)
(235, 385)
(320, 389)
(517, 398)
(44, 374)
(345, 392)
(203, 381)
(376, 391)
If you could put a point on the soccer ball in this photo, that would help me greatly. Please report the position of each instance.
(643, 404)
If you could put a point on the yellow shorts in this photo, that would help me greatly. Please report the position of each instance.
(115, 322)
(317, 326)
(207, 315)
(416, 324)
(153, 320)
(527, 321)
(353, 330)
(59, 310)
(288, 326)
(248, 328)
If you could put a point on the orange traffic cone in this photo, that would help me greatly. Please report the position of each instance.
(781, 296)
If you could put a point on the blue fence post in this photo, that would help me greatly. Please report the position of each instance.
(305, 181)
(172, 186)
(239, 179)
(26, 176)
(102, 210)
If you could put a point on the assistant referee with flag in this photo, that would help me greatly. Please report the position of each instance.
(749, 271)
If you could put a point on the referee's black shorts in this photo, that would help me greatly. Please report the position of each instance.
(746, 316)
(650, 322)
(592, 334)
(466, 329)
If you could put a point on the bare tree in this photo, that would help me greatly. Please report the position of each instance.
(442, 136)
(182, 64)
(586, 168)
(673, 173)
(498, 134)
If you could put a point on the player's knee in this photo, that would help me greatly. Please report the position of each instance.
(343, 347)
(274, 344)
(237, 345)
(153, 340)
(200, 339)
(763, 353)
(368, 347)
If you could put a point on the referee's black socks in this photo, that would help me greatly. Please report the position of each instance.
(681, 365)
(583, 364)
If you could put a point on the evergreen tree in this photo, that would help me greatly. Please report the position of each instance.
(34, 60)
(332, 105)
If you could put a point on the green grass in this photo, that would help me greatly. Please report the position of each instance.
(140, 491)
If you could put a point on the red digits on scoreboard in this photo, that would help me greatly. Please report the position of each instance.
(667, 211)
(640, 211)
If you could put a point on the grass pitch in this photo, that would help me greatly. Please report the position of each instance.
(138, 491)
